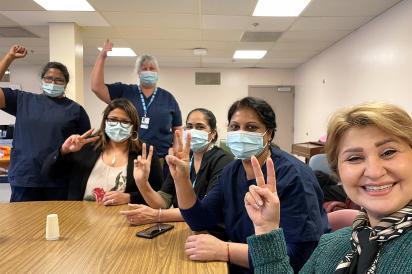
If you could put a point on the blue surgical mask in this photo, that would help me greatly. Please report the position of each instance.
(244, 144)
(148, 78)
(200, 139)
(118, 133)
(53, 90)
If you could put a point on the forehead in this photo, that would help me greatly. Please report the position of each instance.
(118, 113)
(148, 65)
(365, 137)
(197, 117)
(54, 72)
(245, 115)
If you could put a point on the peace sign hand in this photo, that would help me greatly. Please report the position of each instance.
(17, 51)
(76, 142)
(262, 202)
(107, 46)
(178, 158)
(142, 166)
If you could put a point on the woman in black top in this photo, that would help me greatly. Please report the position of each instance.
(103, 165)
(207, 162)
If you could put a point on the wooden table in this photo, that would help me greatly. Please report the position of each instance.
(308, 149)
(93, 239)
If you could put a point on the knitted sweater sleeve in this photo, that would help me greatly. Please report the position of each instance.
(268, 252)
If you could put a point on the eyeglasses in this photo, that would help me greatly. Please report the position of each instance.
(56, 80)
(114, 122)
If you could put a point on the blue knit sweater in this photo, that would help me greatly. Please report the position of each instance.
(268, 252)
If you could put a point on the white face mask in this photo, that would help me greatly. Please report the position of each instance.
(244, 144)
(53, 90)
(200, 139)
(117, 133)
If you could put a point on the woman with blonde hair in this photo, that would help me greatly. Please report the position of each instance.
(370, 148)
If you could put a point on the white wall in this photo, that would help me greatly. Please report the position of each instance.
(179, 81)
(372, 64)
(28, 78)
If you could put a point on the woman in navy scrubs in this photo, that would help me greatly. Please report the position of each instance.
(252, 126)
(158, 109)
(43, 122)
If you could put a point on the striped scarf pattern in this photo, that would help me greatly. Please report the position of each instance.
(366, 241)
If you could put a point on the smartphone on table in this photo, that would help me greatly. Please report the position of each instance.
(154, 231)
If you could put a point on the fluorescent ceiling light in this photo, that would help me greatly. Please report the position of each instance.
(249, 54)
(120, 52)
(280, 7)
(65, 5)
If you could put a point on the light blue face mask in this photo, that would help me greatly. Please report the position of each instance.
(148, 78)
(244, 144)
(53, 90)
(200, 139)
(118, 133)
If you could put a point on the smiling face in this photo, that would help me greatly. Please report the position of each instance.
(375, 169)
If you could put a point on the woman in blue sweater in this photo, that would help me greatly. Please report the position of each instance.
(370, 149)
(252, 126)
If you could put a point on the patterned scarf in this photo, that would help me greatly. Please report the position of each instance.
(366, 241)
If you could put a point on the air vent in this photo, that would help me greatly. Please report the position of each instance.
(207, 78)
(285, 88)
(263, 36)
(15, 32)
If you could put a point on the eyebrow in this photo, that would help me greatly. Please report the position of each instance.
(377, 144)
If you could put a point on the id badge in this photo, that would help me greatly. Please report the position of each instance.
(145, 122)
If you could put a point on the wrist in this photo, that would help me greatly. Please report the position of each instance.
(227, 249)
(9, 58)
(263, 229)
(63, 151)
(159, 215)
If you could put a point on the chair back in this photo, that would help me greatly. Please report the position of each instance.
(320, 162)
(342, 218)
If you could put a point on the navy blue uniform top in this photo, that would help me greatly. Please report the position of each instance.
(42, 124)
(164, 114)
(302, 216)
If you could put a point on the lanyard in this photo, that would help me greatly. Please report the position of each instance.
(145, 108)
(190, 172)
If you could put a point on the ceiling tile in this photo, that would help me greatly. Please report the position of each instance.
(245, 23)
(152, 20)
(313, 35)
(44, 17)
(299, 46)
(159, 33)
(328, 23)
(6, 22)
(228, 7)
(348, 7)
(144, 6)
(20, 5)
(222, 35)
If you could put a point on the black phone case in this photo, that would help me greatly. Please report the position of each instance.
(153, 231)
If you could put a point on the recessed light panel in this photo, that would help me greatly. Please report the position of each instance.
(249, 54)
(120, 52)
(65, 5)
(280, 8)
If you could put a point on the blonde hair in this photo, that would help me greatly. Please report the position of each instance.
(386, 117)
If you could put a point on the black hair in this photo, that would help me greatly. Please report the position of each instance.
(135, 143)
(261, 107)
(59, 66)
(210, 118)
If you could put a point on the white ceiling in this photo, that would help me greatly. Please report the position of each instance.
(170, 29)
